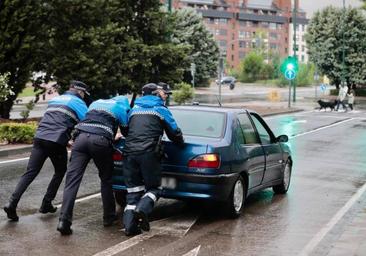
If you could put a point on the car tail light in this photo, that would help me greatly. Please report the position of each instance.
(117, 156)
(205, 161)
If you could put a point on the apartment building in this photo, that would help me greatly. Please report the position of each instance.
(241, 25)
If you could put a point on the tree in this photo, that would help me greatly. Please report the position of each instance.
(183, 93)
(22, 37)
(114, 53)
(325, 40)
(190, 30)
(5, 89)
(251, 67)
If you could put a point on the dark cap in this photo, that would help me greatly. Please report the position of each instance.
(165, 87)
(149, 89)
(79, 86)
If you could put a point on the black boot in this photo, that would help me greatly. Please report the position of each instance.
(142, 220)
(64, 227)
(11, 211)
(47, 207)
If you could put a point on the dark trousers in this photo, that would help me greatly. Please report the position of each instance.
(343, 105)
(89, 146)
(350, 106)
(142, 176)
(42, 149)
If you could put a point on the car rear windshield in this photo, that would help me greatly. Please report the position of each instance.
(200, 123)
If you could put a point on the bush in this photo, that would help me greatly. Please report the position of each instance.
(17, 132)
(361, 92)
(183, 94)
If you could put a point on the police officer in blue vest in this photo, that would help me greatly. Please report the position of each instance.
(148, 119)
(53, 133)
(94, 141)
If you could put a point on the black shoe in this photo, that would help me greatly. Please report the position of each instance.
(64, 227)
(47, 207)
(142, 220)
(11, 212)
(109, 222)
(133, 232)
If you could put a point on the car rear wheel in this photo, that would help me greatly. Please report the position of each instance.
(235, 204)
(120, 197)
(285, 184)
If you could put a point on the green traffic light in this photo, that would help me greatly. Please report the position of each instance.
(290, 63)
(290, 66)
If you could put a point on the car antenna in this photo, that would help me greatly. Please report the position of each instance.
(218, 100)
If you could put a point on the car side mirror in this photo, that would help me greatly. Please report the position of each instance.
(282, 138)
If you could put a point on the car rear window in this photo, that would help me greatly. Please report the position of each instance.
(200, 123)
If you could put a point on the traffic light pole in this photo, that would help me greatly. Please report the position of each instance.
(295, 45)
(289, 93)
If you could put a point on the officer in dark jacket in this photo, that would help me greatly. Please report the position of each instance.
(94, 141)
(52, 136)
(148, 119)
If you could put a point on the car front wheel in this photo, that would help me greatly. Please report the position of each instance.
(285, 183)
(235, 204)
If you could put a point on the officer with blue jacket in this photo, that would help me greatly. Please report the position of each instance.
(53, 133)
(96, 134)
(148, 119)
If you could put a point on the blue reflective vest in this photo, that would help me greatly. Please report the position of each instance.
(62, 114)
(105, 116)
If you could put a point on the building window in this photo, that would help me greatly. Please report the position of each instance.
(302, 58)
(210, 20)
(273, 35)
(242, 44)
(241, 34)
(241, 55)
(272, 25)
(273, 46)
(232, 47)
(223, 21)
(303, 48)
(265, 24)
(222, 32)
(222, 43)
(232, 57)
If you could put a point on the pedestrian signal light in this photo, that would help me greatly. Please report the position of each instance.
(290, 67)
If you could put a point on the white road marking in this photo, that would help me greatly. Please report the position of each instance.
(19, 159)
(14, 160)
(193, 252)
(81, 199)
(322, 128)
(174, 226)
(311, 245)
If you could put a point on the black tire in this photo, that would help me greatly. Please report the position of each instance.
(232, 86)
(120, 197)
(235, 204)
(285, 183)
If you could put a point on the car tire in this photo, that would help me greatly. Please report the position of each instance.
(120, 197)
(285, 183)
(235, 203)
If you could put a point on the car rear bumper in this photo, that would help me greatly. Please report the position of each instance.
(192, 186)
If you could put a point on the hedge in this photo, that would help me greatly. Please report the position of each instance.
(17, 132)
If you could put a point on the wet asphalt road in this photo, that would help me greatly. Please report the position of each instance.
(329, 168)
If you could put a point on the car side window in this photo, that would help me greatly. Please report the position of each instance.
(239, 134)
(262, 131)
(250, 135)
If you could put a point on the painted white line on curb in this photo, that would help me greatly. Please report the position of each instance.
(193, 252)
(321, 128)
(311, 245)
(174, 226)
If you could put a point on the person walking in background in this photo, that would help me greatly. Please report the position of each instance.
(148, 120)
(351, 98)
(52, 135)
(341, 97)
(94, 140)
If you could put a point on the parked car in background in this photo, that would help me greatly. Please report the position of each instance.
(228, 80)
(228, 154)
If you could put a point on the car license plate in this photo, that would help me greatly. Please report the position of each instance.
(170, 183)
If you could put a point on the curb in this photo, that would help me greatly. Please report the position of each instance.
(15, 151)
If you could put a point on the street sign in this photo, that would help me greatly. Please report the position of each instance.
(290, 74)
(193, 69)
(323, 87)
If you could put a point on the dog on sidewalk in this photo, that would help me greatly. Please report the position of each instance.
(327, 104)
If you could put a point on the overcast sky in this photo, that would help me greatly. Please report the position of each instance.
(311, 6)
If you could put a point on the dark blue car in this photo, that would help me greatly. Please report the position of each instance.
(228, 154)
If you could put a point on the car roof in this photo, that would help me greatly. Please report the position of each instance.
(210, 108)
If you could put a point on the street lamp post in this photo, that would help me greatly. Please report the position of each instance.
(294, 42)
